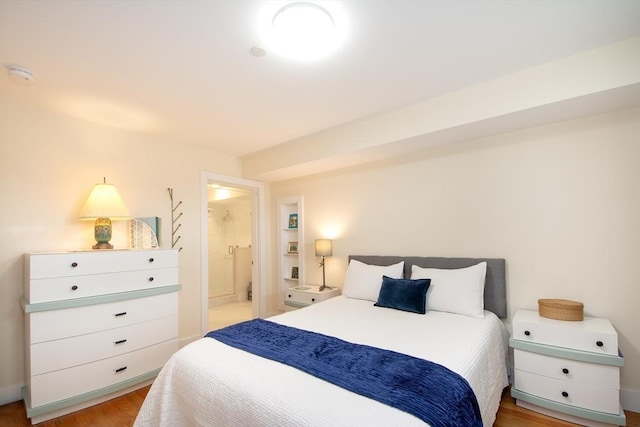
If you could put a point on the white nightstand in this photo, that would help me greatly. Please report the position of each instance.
(302, 296)
(567, 369)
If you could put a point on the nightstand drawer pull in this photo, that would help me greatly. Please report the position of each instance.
(120, 314)
(151, 279)
(599, 343)
(74, 288)
(289, 295)
(120, 342)
(527, 333)
(151, 259)
(313, 300)
(565, 394)
(565, 371)
(120, 369)
(74, 264)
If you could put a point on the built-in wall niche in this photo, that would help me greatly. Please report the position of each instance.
(290, 246)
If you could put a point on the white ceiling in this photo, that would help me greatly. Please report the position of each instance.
(183, 71)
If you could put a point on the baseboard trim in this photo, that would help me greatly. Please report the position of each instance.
(11, 394)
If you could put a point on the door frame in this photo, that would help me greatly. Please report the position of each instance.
(258, 229)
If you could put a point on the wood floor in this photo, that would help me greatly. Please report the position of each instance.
(122, 411)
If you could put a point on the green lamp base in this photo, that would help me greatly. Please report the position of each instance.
(102, 234)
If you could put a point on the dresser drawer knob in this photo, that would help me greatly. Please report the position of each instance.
(151, 259)
(599, 343)
(120, 314)
(121, 369)
(289, 295)
(151, 279)
(565, 371)
(313, 300)
(120, 342)
(527, 333)
(74, 288)
(74, 264)
(565, 394)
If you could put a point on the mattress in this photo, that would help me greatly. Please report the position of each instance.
(208, 383)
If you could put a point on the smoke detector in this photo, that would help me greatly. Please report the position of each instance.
(19, 74)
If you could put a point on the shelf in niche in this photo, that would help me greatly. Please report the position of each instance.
(290, 212)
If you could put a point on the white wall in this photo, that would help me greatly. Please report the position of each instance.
(560, 202)
(48, 166)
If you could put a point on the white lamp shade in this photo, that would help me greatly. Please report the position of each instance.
(323, 247)
(104, 202)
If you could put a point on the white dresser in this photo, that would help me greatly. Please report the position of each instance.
(567, 369)
(98, 324)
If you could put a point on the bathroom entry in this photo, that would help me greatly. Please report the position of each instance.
(229, 245)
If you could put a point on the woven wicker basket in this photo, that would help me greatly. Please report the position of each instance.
(560, 309)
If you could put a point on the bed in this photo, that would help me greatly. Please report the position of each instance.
(210, 383)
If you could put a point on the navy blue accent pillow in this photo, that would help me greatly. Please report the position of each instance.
(404, 294)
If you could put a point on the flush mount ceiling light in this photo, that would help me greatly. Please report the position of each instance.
(303, 30)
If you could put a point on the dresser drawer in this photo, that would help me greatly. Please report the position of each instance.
(65, 353)
(67, 383)
(570, 393)
(38, 266)
(56, 324)
(592, 334)
(146, 259)
(63, 264)
(605, 376)
(72, 287)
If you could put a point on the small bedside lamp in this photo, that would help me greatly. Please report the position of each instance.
(323, 249)
(103, 205)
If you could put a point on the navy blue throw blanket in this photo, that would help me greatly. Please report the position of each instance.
(422, 388)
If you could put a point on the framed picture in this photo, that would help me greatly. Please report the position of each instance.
(293, 220)
(294, 272)
(292, 248)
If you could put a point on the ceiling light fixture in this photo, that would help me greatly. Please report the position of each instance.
(304, 30)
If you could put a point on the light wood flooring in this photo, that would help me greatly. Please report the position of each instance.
(122, 412)
(229, 314)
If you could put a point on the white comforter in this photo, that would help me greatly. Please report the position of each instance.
(208, 383)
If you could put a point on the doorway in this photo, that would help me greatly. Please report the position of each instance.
(231, 267)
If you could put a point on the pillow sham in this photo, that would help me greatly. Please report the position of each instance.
(363, 281)
(404, 294)
(459, 291)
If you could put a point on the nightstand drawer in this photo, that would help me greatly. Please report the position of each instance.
(604, 376)
(592, 334)
(579, 395)
(302, 296)
(67, 383)
(66, 288)
(55, 355)
(56, 324)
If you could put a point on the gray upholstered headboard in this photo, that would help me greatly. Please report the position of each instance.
(495, 287)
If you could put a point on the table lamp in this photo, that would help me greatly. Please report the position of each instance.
(104, 204)
(323, 249)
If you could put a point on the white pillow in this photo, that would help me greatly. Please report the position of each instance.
(363, 281)
(459, 291)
